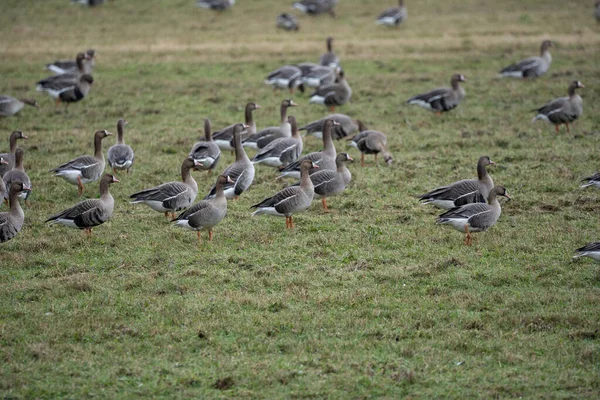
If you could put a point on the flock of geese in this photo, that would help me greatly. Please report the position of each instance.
(471, 205)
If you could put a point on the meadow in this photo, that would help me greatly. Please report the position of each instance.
(370, 300)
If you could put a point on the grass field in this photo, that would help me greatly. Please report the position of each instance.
(370, 300)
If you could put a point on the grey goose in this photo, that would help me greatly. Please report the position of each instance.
(17, 174)
(290, 200)
(10, 156)
(89, 3)
(475, 217)
(224, 137)
(84, 169)
(89, 213)
(281, 151)
(3, 192)
(318, 76)
(371, 142)
(11, 221)
(332, 95)
(462, 192)
(286, 77)
(67, 91)
(563, 110)
(346, 127)
(265, 136)
(329, 59)
(531, 67)
(171, 196)
(597, 11)
(593, 180)
(9, 106)
(216, 5)
(393, 16)
(287, 21)
(71, 77)
(591, 250)
(120, 155)
(206, 214)
(60, 67)
(316, 7)
(206, 152)
(441, 99)
(328, 182)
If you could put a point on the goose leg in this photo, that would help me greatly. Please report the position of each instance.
(79, 186)
(362, 159)
(324, 201)
(376, 161)
(568, 129)
(236, 197)
(173, 216)
(209, 235)
(438, 113)
(88, 232)
(291, 222)
(556, 127)
(287, 221)
(468, 237)
(167, 215)
(331, 108)
(199, 237)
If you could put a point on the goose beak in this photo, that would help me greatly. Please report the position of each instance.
(115, 179)
(315, 165)
(246, 126)
(3, 161)
(197, 163)
(292, 104)
(492, 163)
(335, 123)
(581, 85)
(25, 137)
(350, 158)
(107, 133)
(26, 187)
(507, 196)
(229, 180)
(389, 162)
(256, 106)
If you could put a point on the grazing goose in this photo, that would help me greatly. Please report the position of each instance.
(9, 106)
(120, 156)
(597, 11)
(393, 16)
(171, 196)
(67, 91)
(206, 214)
(11, 222)
(3, 192)
(84, 169)
(241, 171)
(60, 67)
(329, 59)
(593, 180)
(316, 7)
(333, 95)
(531, 67)
(442, 99)
(287, 22)
(371, 142)
(10, 156)
(346, 126)
(324, 159)
(207, 152)
(290, 200)
(475, 217)
(306, 67)
(319, 76)
(18, 174)
(328, 182)
(217, 5)
(462, 192)
(591, 250)
(89, 3)
(562, 110)
(262, 138)
(286, 77)
(91, 212)
(281, 151)
(224, 137)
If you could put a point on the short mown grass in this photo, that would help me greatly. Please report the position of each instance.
(370, 300)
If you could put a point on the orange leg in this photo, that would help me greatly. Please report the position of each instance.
(199, 237)
(376, 161)
(209, 236)
(79, 186)
(127, 171)
(236, 197)
(362, 159)
(287, 221)
(291, 222)
(88, 232)
(568, 129)
(556, 127)
(331, 108)
(438, 113)
(468, 237)
(210, 171)
(324, 201)
(167, 215)
(173, 216)
(57, 102)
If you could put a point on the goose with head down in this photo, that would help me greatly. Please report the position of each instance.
(287, 21)
(215, 5)
(442, 99)
(593, 180)
(316, 7)
(591, 250)
(207, 152)
(346, 127)
(563, 110)
(9, 106)
(286, 77)
(371, 142)
(335, 94)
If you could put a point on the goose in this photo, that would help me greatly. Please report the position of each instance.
(287, 22)
(89, 213)
(72, 77)
(120, 156)
(84, 169)
(324, 159)
(206, 214)
(328, 182)
(591, 250)
(371, 142)
(462, 192)
(171, 196)
(207, 152)
(9, 106)
(89, 3)
(532, 67)
(17, 174)
(67, 91)
(475, 217)
(3, 192)
(10, 156)
(286, 77)
(316, 7)
(11, 222)
(562, 110)
(393, 16)
(318, 76)
(346, 127)
(597, 11)
(60, 67)
(241, 171)
(262, 138)
(224, 137)
(217, 5)
(593, 180)
(335, 94)
(306, 67)
(290, 200)
(329, 59)
(281, 151)
(442, 99)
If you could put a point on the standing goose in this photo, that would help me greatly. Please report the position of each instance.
(393, 16)
(593, 180)
(475, 217)
(290, 200)
(442, 99)
(224, 137)
(371, 142)
(67, 91)
(206, 214)
(597, 11)
(91, 212)
(206, 153)
(89, 3)
(241, 171)
(262, 138)
(171, 196)
(216, 5)
(329, 59)
(286, 77)
(316, 7)
(84, 169)
(10, 156)
(287, 22)
(347, 126)
(462, 192)
(120, 156)
(562, 110)
(61, 67)
(11, 222)
(281, 151)
(9, 106)
(328, 182)
(531, 67)
(325, 159)
(71, 77)
(17, 174)
(3, 192)
(591, 250)
(335, 94)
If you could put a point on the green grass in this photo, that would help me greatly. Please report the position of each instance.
(370, 300)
